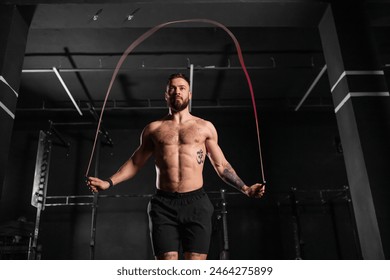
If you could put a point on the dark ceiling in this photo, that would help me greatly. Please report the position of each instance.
(280, 42)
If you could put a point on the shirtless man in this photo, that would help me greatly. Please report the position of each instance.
(180, 211)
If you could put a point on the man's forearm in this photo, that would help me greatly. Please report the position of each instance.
(125, 172)
(230, 177)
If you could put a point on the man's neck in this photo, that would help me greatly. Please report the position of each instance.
(180, 116)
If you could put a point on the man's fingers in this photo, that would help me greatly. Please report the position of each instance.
(93, 179)
(257, 190)
(92, 183)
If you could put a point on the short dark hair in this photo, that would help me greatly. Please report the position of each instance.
(178, 75)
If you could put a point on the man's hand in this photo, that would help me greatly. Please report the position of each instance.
(96, 184)
(257, 190)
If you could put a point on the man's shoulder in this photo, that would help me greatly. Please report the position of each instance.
(206, 126)
(153, 125)
(199, 120)
(203, 122)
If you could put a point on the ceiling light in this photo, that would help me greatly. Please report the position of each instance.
(67, 90)
(95, 17)
(131, 15)
(5, 82)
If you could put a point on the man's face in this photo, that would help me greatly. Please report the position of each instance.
(178, 94)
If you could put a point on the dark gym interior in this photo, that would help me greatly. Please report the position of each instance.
(320, 75)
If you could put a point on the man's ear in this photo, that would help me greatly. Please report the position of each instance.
(190, 95)
(166, 96)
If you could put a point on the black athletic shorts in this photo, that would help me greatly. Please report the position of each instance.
(180, 217)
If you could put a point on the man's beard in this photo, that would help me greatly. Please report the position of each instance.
(179, 105)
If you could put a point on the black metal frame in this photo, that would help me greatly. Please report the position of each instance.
(325, 197)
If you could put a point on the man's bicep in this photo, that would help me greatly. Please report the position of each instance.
(214, 151)
(144, 151)
(215, 154)
(139, 158)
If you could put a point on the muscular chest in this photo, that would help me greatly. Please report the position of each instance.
(179, 135)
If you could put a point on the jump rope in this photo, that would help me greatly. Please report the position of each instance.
(149, 33)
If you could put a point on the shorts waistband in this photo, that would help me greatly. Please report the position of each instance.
(179, 194)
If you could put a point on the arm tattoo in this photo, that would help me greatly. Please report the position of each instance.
(230, 177)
